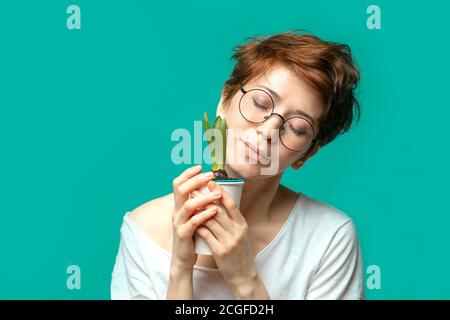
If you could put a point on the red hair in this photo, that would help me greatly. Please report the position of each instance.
(327, 67)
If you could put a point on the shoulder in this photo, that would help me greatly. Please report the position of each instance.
(321, 212)
(324, 222)
(155, 219)
(151, 209)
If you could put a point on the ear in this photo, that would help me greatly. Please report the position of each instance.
(301, 161)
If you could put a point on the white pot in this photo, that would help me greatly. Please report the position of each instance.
(234, 189)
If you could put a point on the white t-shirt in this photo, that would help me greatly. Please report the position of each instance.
(315, 255)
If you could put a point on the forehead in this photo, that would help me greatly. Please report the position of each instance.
(293, 91)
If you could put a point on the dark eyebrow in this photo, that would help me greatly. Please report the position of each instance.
(297, 111)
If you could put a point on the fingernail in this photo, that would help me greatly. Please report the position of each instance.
(209, 174)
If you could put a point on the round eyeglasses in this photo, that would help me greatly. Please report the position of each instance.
(296, 133)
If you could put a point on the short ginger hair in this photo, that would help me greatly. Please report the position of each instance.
(328, 68)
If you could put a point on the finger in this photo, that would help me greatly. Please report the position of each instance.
(218, 231)
(209, 205)
(224, 220)
(228, 202)
(193, 183)
(186, 175)
(210, 187)
(195, 193)
(186, 230)
(210, 239)
(191, 205)
(200, 218)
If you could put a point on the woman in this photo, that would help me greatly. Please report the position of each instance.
(291, 88)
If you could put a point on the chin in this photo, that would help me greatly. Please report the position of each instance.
(241, 163)
(246, 171)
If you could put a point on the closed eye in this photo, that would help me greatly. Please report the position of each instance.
(297, 132)
(260, 106)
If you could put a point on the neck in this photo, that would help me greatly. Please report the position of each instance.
(259, 197)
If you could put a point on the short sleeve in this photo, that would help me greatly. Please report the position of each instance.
(339, 275)
(129, 279)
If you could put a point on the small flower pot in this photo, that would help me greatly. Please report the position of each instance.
(234, 188)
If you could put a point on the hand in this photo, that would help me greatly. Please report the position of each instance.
(188, 214)
(228, 237)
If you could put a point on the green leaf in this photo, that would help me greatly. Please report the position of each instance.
(206, 127)
(221, 125)
(206, 124)
(216, 122)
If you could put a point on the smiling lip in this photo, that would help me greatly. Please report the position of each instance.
(254, 149)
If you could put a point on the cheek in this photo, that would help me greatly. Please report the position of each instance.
(236, 122)
(234, 118)
(286, 157)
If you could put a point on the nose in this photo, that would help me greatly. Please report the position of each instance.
(269, 128)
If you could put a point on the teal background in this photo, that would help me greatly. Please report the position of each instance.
(86, 118)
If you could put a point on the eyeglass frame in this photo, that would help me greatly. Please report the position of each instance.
(313, 141)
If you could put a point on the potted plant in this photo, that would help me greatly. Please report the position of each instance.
(217, 143)
(218, 153)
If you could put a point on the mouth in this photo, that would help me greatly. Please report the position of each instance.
(255, 151)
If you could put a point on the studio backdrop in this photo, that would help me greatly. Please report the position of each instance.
(91, 92)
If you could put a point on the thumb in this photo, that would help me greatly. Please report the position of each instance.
(212, 185)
